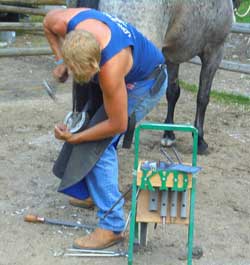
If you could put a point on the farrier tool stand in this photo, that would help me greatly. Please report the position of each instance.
(167, 190)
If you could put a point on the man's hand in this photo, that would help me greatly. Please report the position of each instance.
(62, 132)
(61, 73)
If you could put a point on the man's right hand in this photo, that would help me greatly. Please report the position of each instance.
(61, 73)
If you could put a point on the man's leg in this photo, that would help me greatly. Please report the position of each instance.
(103, 187)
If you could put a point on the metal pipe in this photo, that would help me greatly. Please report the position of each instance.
(96, 254)
(164, 207)
(184, 204)
(166, 155)
(174, 197)
(153, 199)
(85, 250)
(129, 214)
(176, 154)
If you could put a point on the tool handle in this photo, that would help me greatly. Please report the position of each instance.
(34, 219)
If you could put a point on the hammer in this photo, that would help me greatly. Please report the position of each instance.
(50, 90)
(37, 219)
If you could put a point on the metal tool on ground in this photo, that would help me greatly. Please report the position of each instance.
(74, 252)
(43, 220)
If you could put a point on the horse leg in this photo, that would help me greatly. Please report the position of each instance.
(88, 3)
(210, 58)
(172, 95)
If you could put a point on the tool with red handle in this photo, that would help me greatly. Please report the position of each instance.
(39, 219)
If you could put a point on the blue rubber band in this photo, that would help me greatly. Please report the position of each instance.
(60, 61)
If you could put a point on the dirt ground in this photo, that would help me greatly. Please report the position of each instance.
(27, 185)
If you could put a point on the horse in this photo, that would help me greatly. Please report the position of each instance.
(183, 29)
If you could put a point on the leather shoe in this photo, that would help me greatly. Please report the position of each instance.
(98, 239)
(86, 204)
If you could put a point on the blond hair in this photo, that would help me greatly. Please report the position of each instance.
(82, 54)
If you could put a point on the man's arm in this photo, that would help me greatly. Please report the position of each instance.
(55, 30)
(114, 90)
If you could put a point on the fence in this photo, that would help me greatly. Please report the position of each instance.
(34, 9)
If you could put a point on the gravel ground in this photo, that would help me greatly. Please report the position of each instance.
(27, 185)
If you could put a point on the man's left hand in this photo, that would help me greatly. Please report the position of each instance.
(62, 132)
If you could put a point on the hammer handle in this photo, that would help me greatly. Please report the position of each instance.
(38, 219)
(34, 219)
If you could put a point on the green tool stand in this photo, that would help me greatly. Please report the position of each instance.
(167, 179)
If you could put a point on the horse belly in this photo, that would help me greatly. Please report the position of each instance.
(149, 17)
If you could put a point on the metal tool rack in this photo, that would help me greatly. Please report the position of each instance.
(138, 184)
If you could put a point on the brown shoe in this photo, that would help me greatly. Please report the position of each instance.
(86, 204)
(99, 239)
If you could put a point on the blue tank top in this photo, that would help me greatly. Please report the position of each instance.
(146, 56)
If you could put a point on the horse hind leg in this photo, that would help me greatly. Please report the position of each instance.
(172, 95)
(211, 58)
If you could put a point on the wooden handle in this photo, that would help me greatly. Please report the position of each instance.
(33, 219)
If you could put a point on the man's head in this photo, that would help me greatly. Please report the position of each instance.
(82, 54)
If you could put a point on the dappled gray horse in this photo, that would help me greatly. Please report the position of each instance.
(183, 29)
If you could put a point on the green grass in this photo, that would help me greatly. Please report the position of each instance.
(241, 10)
(224, 97)
(34, 18)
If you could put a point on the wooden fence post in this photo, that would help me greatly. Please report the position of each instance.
(11, 52)
(33, 2)
(15, 26)
(22, 10)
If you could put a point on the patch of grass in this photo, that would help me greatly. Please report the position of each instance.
(241, 10)
(219, 96)
(34, 18)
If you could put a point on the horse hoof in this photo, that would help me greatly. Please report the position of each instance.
(203, 148)
(166, 142)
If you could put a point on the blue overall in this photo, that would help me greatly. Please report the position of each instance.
(101, 183)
